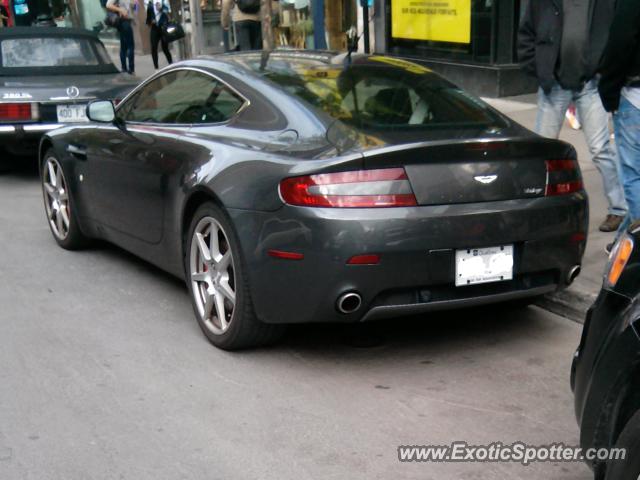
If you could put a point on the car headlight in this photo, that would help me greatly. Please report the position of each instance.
(618, 258)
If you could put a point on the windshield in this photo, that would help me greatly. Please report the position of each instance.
(51, 52)
(380, 94)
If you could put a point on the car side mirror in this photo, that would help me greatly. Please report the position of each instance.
(101, 111)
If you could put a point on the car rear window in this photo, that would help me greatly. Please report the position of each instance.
(381, 93)
(49, 52)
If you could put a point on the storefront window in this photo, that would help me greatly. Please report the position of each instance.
(448, 29)
(294, 24)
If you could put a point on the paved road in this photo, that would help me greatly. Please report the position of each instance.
(104, 374)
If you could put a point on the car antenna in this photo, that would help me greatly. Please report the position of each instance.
(264, 59)
(352, 42)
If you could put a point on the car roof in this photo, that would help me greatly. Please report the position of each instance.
(323, 56)
(22, 32)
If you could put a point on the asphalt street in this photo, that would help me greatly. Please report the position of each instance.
(104, 374)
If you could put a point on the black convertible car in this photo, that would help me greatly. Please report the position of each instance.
(316, 187)
(606, 365)
(47, 77)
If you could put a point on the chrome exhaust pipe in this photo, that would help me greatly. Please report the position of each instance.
(349, 302)
(573, 274)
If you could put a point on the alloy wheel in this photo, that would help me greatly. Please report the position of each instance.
(56, 198)
(212, 275)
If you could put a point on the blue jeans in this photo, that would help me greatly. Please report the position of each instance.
(626, 122)
(126, 46)
(595, 124)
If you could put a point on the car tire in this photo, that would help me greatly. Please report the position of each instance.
(629, 439)
(59, 205)
(218, 285)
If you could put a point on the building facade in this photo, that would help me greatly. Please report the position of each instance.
(471, 42)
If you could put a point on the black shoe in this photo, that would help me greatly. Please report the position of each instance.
(611, 223)
(609, 247)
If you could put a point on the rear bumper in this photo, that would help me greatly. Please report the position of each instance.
(37, 128)
(24, 139)
(417, 247)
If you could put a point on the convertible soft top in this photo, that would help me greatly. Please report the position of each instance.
(15, 33)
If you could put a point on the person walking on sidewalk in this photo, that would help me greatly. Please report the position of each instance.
(157, 17)
(620, 93)
(246, 19)
(561, 43)
(126, 9)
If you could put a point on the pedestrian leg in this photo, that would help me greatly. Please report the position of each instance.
(123, 48)
(627, 127)
(155, 39)
(243, 35)
(595, 124)
(551, 110)
(165, 49)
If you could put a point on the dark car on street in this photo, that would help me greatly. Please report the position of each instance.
(318, 187)
(47, 77)
(605, 375)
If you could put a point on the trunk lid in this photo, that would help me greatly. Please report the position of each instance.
(472, 171)
(47, 92)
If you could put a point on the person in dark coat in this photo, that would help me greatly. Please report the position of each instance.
(561, 43)
(157, 17)
(620, 93)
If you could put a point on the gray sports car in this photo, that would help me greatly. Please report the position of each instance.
(47, 77)
(316, 187)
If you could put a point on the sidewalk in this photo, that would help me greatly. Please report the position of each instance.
(575, 300)
(143, 63)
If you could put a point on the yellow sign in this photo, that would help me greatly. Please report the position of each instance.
(437, 20)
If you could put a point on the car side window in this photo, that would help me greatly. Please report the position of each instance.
(182, 97)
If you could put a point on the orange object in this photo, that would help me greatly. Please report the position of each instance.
(620, 259)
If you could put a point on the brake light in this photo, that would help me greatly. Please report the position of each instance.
(563, 177)
(387, 187)
(16, 112)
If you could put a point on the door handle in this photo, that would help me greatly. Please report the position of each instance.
(77, 151)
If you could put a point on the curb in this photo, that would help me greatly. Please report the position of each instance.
(569, 304)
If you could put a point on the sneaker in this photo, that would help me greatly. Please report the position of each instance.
(611, 223)
(608, 247)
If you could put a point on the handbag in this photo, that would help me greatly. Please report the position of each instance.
(112, 20)
(172, 31)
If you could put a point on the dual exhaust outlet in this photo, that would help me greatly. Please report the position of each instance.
(572, 274)
(350, 302)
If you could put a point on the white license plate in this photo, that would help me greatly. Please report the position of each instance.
(484, 265)
(72, 113)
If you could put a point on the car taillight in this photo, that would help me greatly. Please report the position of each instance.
(563, 177)
(17, 112)
(387, 187)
